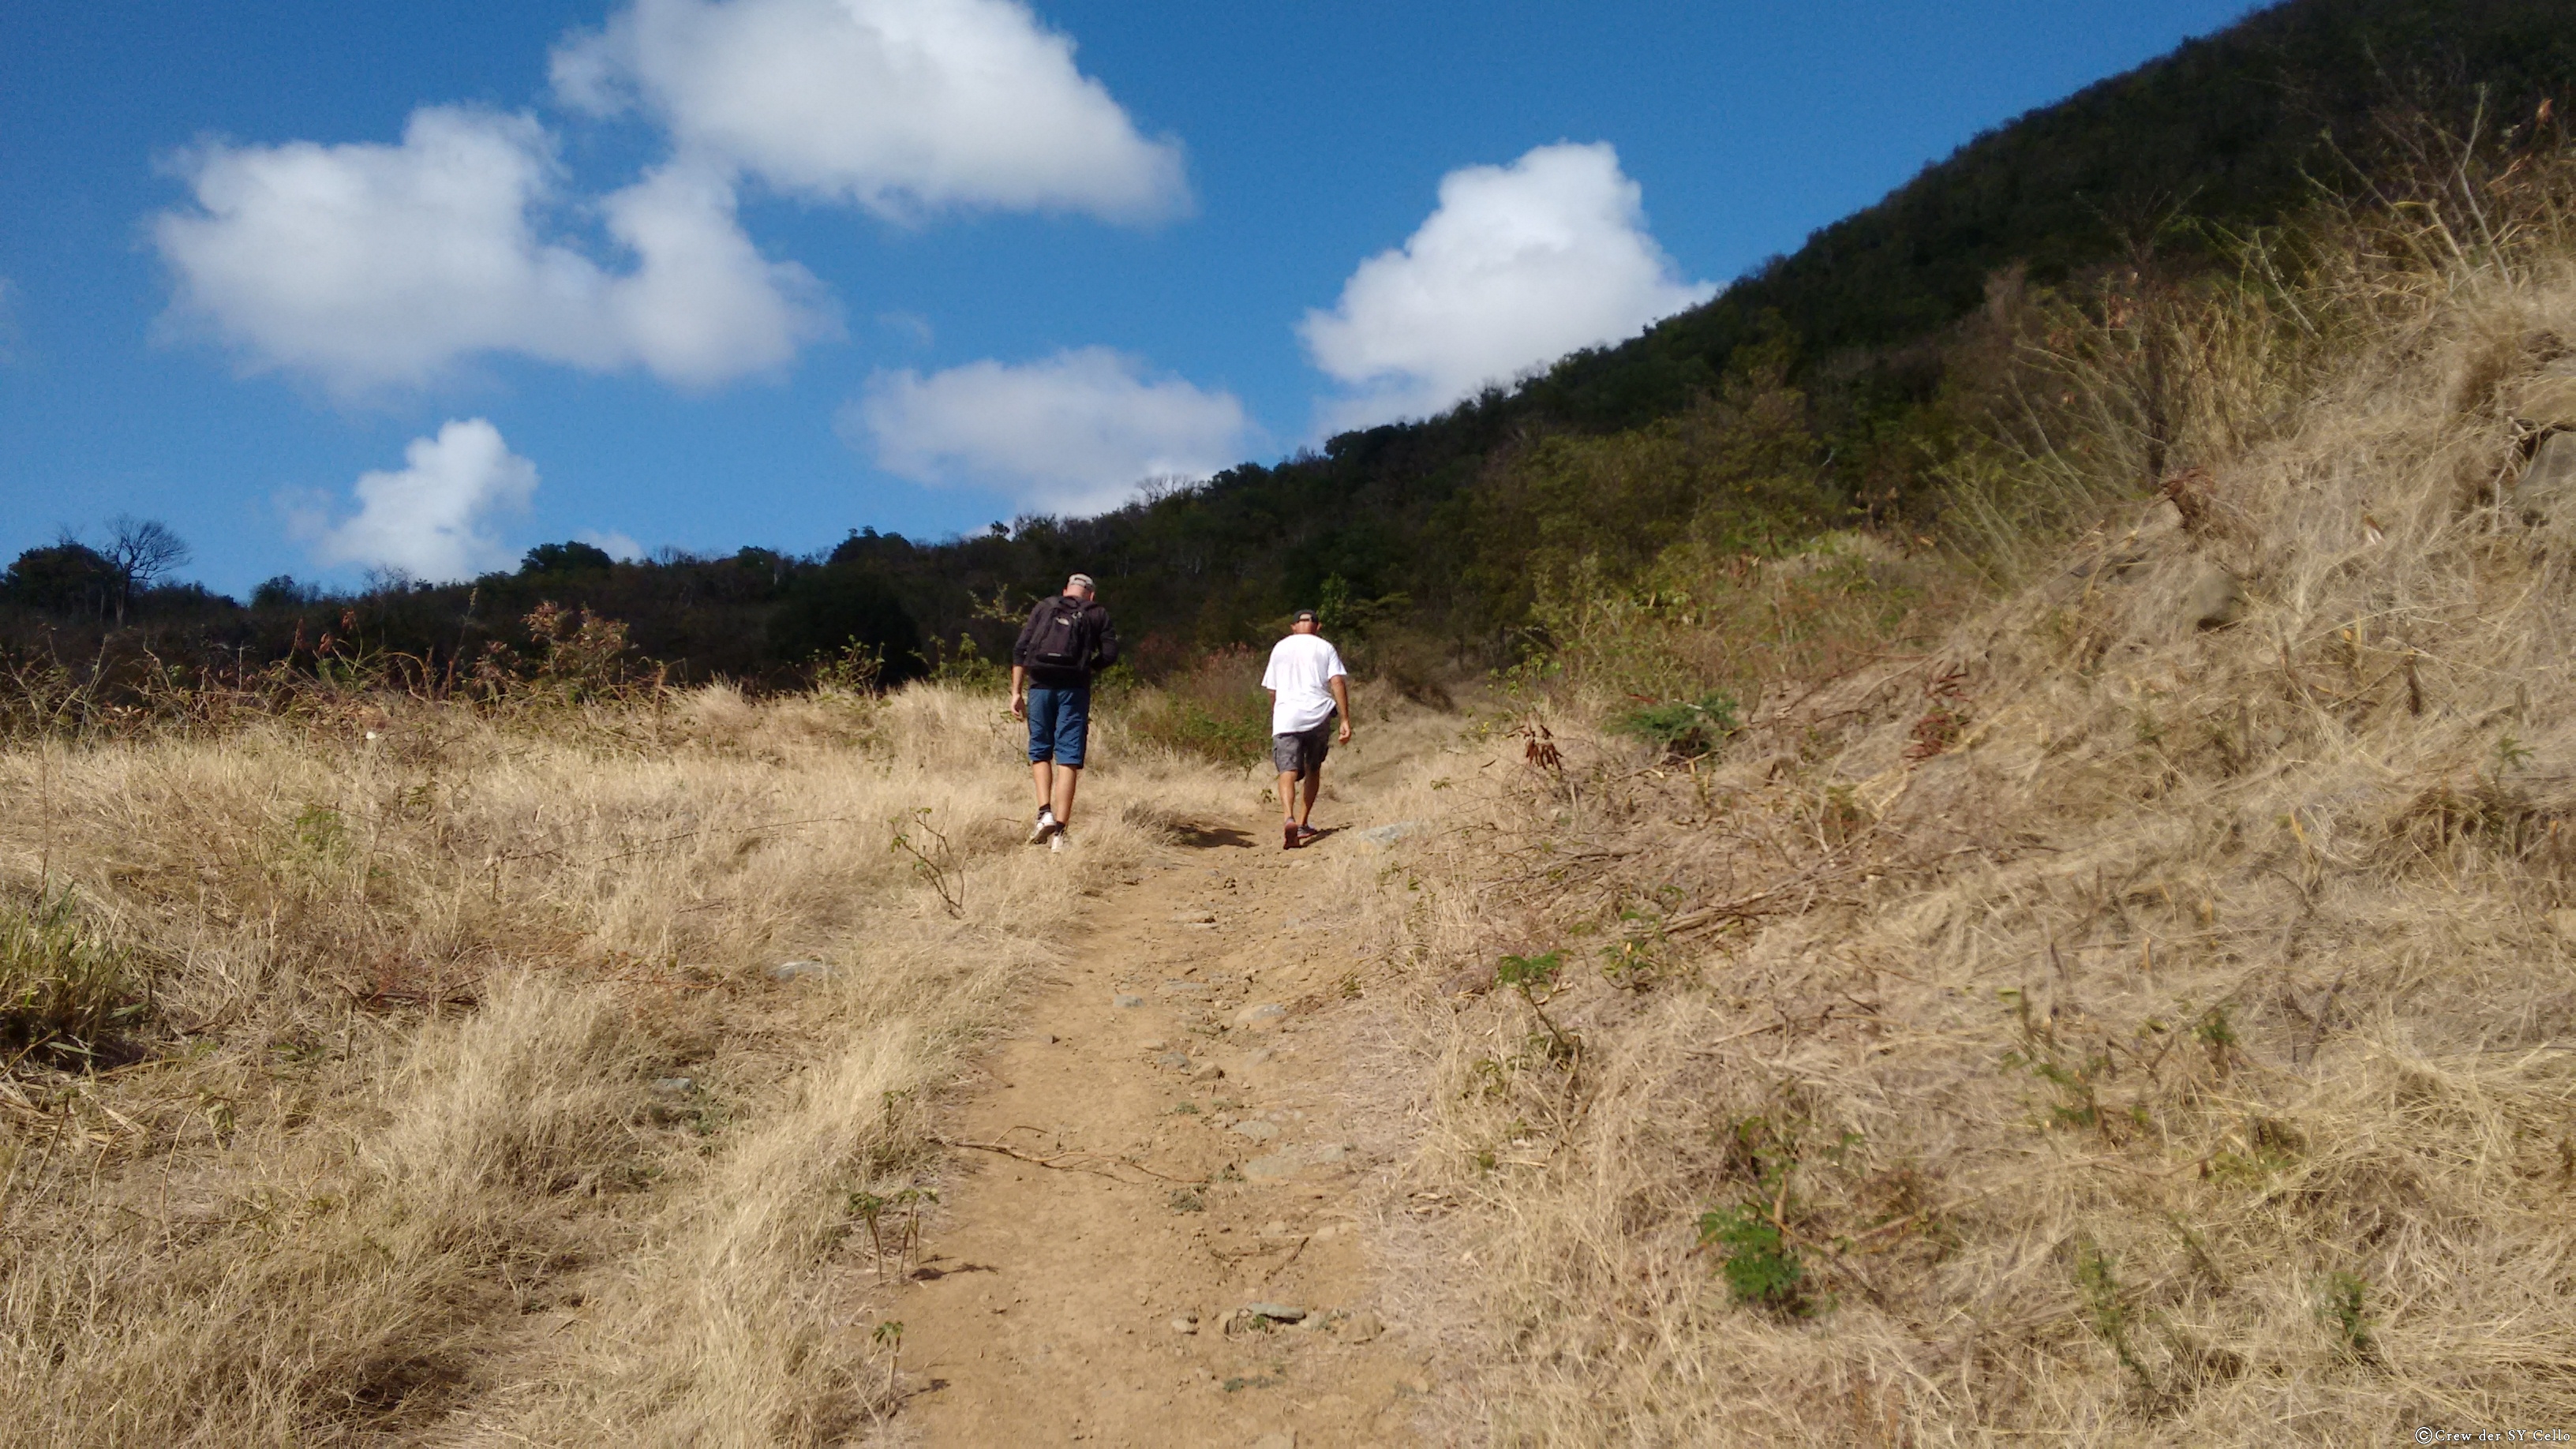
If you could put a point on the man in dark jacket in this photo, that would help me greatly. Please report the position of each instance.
(1065, 640)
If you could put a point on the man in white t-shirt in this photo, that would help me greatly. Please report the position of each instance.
(1308, 688)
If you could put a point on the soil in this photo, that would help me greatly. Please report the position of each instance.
(1142, 1251)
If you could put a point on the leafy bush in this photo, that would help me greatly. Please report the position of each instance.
(966, 667)
(854, 669)
(1216, 710)
(1703, 619)
(1685, 729)
(575, 656)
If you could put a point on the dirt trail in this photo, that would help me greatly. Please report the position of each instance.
(1100, 1296)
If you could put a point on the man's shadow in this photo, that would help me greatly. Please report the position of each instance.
(1211, 837)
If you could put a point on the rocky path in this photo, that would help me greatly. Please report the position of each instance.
(1155, 1242)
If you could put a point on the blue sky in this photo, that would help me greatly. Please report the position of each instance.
(331, 288)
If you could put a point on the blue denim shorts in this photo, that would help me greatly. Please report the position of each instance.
(1059, 724)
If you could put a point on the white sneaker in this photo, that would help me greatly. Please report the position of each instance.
(1046, 825)
(1059, 840)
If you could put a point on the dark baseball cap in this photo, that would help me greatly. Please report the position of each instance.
(1305, 616)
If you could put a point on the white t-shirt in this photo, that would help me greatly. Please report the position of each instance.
(1301, 667)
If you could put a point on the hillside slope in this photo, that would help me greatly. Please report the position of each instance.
(2143, 1012)
(2233, 131)
(1853, 337)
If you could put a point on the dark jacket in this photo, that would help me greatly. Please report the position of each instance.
(1099, 644)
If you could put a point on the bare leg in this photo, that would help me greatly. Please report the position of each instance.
(1043, 772)
(1288, 797)
(1066, 778)
(1314, 786)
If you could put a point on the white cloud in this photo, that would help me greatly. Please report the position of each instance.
(704, 306)
(1518, 266)
(370, 266)
(431, 520)
(899, 106)
(1074, 433)
(619, 546)
(912, 327)
(367, 266)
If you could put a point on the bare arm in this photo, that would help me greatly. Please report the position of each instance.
(1019, 664)
(1341, 689)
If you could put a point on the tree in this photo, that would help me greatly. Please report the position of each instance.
(68, 577)
(830, 608)
(143, 551)
(566, 558)
(284, 592)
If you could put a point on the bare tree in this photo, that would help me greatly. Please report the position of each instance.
(1160, 486)
(143, 551)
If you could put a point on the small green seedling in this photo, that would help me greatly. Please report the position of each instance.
(896, 1238)
(869, 1208)
(1762, 1267)
(2510, 754)
(1634, 960)
(2347, 1316)
(2078, 1104)
(908, 1241)
(889, 1336)
(933, 858)
(2107, 1312)
(2218, 1036)
(1531, 975)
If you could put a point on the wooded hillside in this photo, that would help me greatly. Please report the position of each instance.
(1830, 388)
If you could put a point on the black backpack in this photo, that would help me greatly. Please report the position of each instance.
(1058, 643)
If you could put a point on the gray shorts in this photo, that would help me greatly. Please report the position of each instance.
(1302, 754)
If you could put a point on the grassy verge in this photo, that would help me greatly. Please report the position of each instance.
(461, 1093)
(2138, 1011)
(1215, 711)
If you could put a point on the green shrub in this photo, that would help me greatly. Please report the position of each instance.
(64, 991)
(1762, 1267)
(1684, 729)
(1526, 973)
(965, 667)
(855, 669)
(1216, 710)
(1702, 619)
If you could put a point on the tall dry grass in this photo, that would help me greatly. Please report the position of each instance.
(2103, 1027)
(462, 1100)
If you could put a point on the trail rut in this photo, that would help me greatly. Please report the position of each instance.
(1154, 1232)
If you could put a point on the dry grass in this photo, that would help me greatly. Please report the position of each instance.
(2095, 1028)
(2101, 1029)
(402, 1152)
